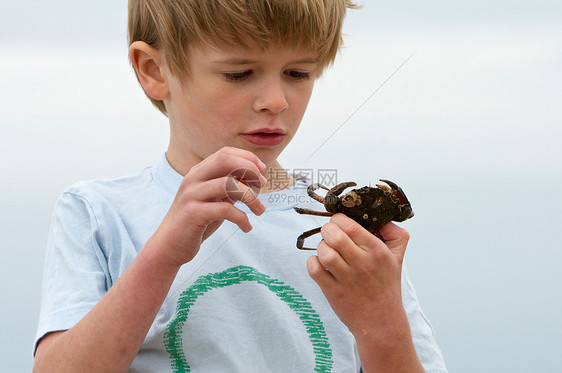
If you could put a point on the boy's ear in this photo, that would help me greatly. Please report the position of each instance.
(146, 61)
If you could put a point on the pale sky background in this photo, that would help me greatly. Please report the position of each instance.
(470, 127)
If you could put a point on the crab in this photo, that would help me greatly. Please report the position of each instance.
(370, 207)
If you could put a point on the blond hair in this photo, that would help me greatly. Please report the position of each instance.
(173, 25)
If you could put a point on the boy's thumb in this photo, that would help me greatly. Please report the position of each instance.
(395, 238)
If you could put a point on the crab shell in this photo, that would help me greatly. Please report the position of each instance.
(372, 207)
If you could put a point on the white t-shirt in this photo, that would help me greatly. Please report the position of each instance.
(244, 304)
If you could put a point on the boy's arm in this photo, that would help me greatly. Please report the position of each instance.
(361, 279)
(109, 337)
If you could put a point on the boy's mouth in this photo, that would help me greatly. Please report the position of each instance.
(265, 137)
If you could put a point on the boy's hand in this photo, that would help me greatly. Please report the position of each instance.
(206, 198)
(360, 274)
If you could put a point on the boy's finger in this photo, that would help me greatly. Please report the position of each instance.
(227, 189)
(214, 211)
(237, 191)
(223, 164)
(228, 158)
(249, 177)
(242, 153)
(359, 235)
(318, 272)
(331, 259)
(337, 239)
(239, 153)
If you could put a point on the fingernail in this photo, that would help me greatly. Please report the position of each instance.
(262, 165)
(263, 180)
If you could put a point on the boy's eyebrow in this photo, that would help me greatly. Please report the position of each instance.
(246, 61)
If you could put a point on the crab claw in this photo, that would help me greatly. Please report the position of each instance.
(392, 185)
(397, 191)
(405, 206)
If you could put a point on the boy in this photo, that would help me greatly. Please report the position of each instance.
(152, 272)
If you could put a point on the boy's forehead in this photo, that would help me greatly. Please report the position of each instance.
(249, 51)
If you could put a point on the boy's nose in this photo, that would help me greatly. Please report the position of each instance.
(272, 98)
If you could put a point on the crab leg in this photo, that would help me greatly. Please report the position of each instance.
(302, 237)
(310, 190)
(338, 189)
(312, 212)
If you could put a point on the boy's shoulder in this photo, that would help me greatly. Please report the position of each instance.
(112, 208)
(140, 185)
(151, 182)
(124, 184)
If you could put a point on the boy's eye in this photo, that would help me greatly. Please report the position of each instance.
(298, 75)
(237, 76)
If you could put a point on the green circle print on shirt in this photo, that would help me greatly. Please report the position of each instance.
(236, 275)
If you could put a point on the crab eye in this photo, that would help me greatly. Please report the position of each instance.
(365, 216)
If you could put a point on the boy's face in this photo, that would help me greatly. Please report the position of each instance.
(248, 98)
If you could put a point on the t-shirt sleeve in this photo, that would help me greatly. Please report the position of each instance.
(75, 274)
(422, 331)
